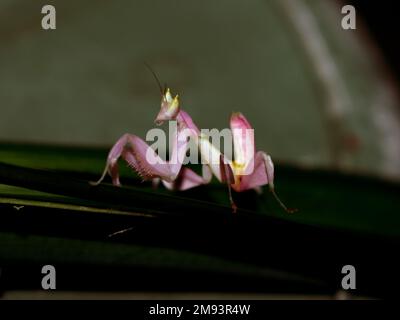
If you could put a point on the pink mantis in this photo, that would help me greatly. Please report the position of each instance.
(248, 170)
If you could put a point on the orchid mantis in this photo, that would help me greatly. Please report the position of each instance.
(248, 170)
(144, 160)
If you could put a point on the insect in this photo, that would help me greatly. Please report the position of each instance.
(248, 170)
(138, 154)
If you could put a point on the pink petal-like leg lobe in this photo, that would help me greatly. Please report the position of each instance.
(243, 141)
(186, 179)
(145, 160)
(139, 156)
(254, 180)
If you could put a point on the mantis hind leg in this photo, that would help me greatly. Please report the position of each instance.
(269, 167)
(227, 176)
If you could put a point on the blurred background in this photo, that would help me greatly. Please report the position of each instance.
(316, 94)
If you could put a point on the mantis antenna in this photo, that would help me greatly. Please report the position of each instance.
(162, 91)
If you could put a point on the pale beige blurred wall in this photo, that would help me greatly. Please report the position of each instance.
(85, 82)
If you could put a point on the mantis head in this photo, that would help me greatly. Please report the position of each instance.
(169, 108)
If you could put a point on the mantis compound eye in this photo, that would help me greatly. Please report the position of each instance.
(167, 97)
